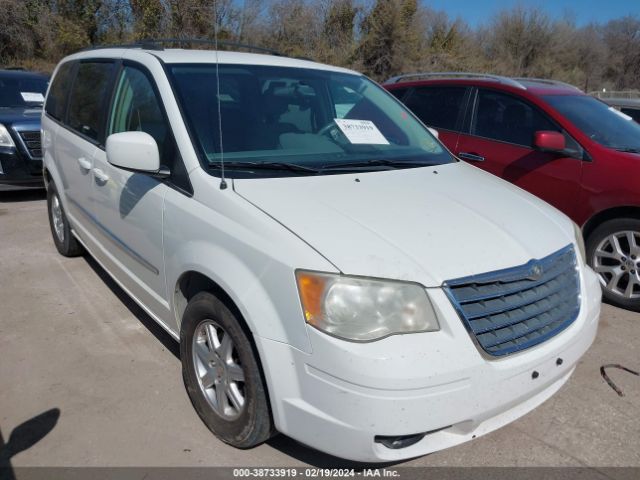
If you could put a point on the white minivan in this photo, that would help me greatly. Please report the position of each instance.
(330, 270)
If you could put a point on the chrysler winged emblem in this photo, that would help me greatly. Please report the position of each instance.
(536, 272)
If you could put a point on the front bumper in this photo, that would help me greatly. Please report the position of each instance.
(17, 170)
(341, 396)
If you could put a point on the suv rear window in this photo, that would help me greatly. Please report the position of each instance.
(88, 102)
(59, 91)
(439, 107)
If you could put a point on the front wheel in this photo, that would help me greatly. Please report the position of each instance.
(613, 251)
(222, 375)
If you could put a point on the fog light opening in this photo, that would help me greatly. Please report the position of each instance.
(403, 441)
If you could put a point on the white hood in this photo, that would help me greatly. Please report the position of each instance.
(425, 225)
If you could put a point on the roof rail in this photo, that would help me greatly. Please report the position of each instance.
(546, 81)
(481, 76)
(157, 44)
(620, 94)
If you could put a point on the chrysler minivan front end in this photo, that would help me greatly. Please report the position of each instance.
(410, 394)
(429, 336)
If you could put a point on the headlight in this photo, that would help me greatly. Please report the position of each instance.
(5, 138)
(580, 242)
(362, 309)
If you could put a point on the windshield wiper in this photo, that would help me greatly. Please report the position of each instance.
(375, 163)
(292, 167)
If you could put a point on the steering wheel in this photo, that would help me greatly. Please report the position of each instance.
(329, 129)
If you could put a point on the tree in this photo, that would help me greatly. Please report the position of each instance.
(518, 42)
(293, 28)
(148, 18)
(389, 37)
(622, 38)
(338, 29)
(16, 39)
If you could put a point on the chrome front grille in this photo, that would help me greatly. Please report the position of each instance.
(510, 310)
(32, 142)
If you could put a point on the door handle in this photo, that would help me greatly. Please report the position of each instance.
(84, 164)
(472, 157)
(100, 176)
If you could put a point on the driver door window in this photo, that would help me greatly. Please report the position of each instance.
(137, 109)
(507, 119)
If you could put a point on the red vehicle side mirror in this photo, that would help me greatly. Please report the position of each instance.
(549, 141)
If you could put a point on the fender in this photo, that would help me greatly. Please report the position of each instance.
(280, 319)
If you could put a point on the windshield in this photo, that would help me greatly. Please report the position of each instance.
(277, 119)
(17, 91)
(601, 123)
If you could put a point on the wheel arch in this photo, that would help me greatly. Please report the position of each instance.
(46, 176)
(192, 282)
(609, 214)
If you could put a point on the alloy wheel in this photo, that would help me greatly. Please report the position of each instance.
(56, 217)
(616, 259)
(219, 372)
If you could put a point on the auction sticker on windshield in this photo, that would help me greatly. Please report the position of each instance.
(361, 132)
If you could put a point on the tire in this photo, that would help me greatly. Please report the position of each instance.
(211, 376)
(617, 262)
(65, 242)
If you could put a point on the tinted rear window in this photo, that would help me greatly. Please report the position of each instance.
(59, 91)
(89, 96)
(439, 107)
(399, 93)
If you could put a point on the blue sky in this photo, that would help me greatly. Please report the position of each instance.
(476, 12)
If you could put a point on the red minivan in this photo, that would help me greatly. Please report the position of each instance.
(553, 140)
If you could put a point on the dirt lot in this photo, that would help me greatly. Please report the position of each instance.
(74, 348)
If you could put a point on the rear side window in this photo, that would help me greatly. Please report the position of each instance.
(398, 92)
(89, 97)
(439, 107)
(508, 119)
(59, 91)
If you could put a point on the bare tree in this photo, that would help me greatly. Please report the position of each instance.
(379, 37)
(518, 41)
(622, 38)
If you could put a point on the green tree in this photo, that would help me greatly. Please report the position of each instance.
(338, 29)
(389, 38)
(149, 16)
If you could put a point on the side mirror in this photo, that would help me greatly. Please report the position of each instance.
(136, 151)
(549, 141)
(434, 132)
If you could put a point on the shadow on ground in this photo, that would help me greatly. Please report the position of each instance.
(149, 323)
(284, 444)
(25, 436)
